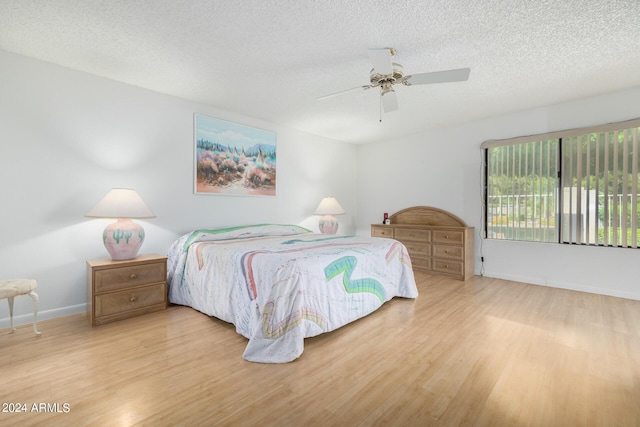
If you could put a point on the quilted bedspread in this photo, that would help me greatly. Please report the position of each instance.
(279, 284)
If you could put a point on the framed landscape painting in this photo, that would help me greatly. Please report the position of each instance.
(233, 159)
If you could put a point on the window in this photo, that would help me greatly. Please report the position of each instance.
(578, 187)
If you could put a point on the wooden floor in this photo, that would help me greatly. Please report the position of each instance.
(484, 352)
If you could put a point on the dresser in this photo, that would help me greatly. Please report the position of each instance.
(119, 290)
(438, 242)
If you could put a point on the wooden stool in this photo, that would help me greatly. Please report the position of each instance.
(11, 288)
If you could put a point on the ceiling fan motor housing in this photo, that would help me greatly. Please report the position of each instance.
(394, 78)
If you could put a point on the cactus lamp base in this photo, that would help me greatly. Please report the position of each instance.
(328, 224)
(123, 239)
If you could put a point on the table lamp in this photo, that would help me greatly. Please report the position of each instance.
(328, 207)
(124, 237)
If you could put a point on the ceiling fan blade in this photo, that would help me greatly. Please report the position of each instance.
(331, 95)
(389, 102)
(381, 61)
(459, 75)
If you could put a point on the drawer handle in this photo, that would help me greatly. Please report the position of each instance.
(133, 276)
(133, 298)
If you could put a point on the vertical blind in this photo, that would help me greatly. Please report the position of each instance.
(600, 184)
(577, 186)
(521, 187)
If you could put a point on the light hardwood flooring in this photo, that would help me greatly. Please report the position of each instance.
(483, 352)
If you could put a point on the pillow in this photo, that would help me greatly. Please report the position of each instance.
(243, 232)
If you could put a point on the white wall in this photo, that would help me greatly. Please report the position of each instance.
(67, 138)
(442, 168)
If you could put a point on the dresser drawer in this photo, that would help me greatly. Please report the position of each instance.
(449, 252)
(448, 236)
(410, 234)
(124, 277)
(421, 263)
(130, 299)
(447, 266)
(382, 232)
(416, 248)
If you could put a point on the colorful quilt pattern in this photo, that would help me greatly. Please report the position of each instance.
(279, 284)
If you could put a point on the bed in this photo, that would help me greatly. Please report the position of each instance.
(280, 284)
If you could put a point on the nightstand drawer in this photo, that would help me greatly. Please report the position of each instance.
(447, 266)
(450, 252)
(131, 299)
(124, 277)
(409, 234)
(448, 236)
(381, 232)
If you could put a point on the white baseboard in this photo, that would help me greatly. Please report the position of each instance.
(566, 285)
(43, 315)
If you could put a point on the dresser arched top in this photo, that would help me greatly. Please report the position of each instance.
(426, 215)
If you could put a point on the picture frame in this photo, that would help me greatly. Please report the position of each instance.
(233, 159)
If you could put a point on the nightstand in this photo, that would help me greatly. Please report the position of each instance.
(119, 290)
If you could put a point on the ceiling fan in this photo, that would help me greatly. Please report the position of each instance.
(386, 74)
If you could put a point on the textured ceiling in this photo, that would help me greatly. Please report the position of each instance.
(271, 59)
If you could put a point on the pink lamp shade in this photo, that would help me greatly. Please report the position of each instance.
(124, 237)
(328, 207)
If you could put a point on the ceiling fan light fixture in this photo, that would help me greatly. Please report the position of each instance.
(386, 88)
